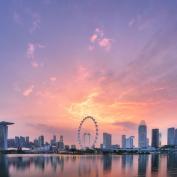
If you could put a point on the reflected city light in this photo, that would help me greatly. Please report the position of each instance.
(88, 165)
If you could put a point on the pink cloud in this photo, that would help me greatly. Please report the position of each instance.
(53, 79)
(93, 38)
(31, 50)
(28, 91)
(99, 32)
(105, 43)
(98, 39)
(35, 64)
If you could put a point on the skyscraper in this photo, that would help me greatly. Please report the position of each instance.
(171, 136)
(61, 143)
(129, 142)
(27, 141)
(4, 134)
(36, 142)
(107, 140)
(61, 138)
(123, 141)
(41, 141)
(142, 135)
(147, 142)
(155, 138)
(17, 142)
(22, 141)
(176, 137)
(53, 141)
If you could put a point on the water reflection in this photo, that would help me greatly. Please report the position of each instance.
(155, 164)
(4, 172)
(39, 162)
(172, 165)
(127, 161)
(89, 166)
(142, 165)
(107, 163)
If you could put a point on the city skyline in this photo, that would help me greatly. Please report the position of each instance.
(127, 141)
(63, 60)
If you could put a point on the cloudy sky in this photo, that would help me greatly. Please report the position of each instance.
(61, 60)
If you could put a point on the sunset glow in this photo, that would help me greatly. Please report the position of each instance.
(63, 60)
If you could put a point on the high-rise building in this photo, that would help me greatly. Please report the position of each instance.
(11, 143)
(142, 135)
(36, 142)
(61, 145)
(27, 140)
(41, 141)
(53, 141)
(129, 142)
(147, 142)
(160, 139)
(17, 142)
(171, 136)
(176, 137)
(61, 138)
(155, 138)
(107, 140)
(123, 141)
(4, 134)
(22, 141)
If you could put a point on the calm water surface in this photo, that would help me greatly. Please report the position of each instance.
(88, 166)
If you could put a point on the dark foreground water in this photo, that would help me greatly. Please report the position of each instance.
(88, 166)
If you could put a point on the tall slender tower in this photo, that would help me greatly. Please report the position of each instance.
(171, 136)
(107, 140)
(4, 134)
(142, 135)
(123, 141)
(155, 138)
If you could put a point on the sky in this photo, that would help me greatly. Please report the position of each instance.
(61, 60)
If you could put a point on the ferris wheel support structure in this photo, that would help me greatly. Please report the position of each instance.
(80, 128)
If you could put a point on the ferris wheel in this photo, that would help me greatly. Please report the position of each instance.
(95, 136)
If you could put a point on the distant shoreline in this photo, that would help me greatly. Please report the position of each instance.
(84, 153)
